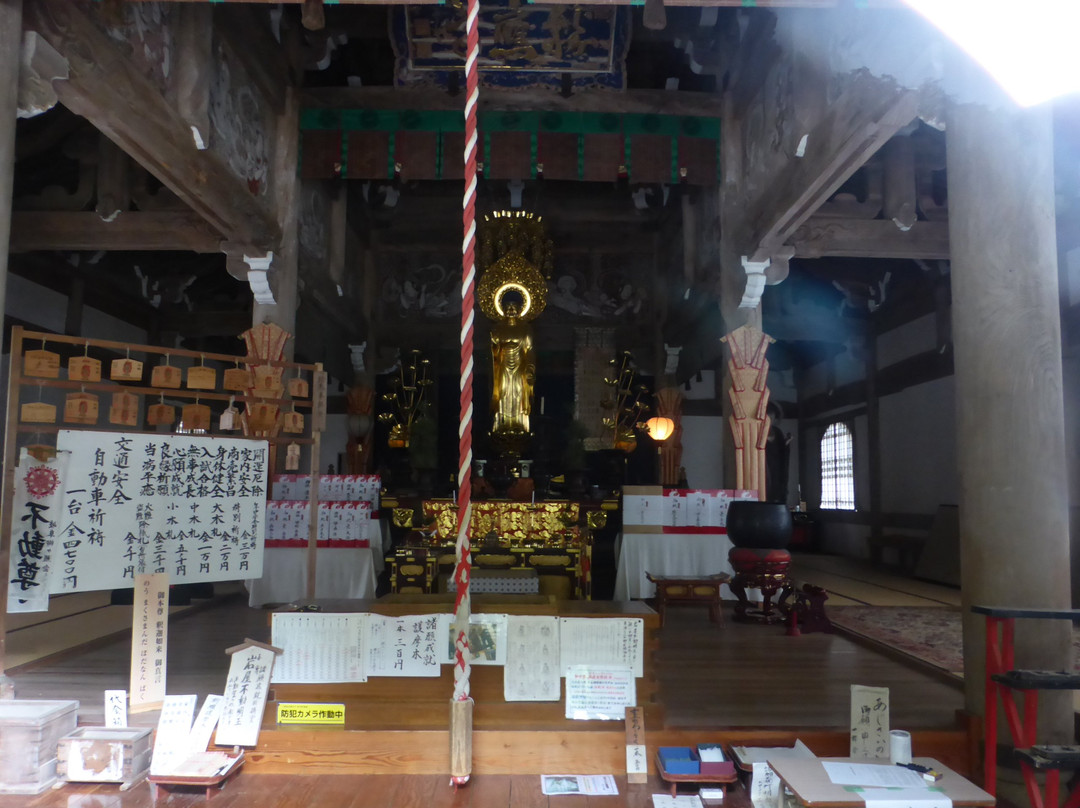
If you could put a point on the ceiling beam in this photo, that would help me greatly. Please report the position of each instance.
(86, 230)
(629, 102)
(859, 123)
(108, 90)
(821, 236)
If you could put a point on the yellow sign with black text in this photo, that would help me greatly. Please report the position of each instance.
(290, 713)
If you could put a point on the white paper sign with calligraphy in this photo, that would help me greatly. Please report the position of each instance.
(869, 722)
(245, 696)
(602, 641)
(412, 645)
(186, 505)
(319, 648)
(34, 518)
(149, 641)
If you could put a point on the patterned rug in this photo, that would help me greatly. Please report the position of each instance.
(930, 635)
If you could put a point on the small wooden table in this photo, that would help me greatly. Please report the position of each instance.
(704, 590)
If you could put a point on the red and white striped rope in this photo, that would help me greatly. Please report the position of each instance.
(463, 570)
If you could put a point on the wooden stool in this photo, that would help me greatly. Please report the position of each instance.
(704, 590)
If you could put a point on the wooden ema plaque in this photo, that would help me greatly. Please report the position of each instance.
(165, 376)
(84, 369)
(126, 370)
(292, 457)
(159, 414)
(81, 408)
(124, 410)
(41, 364)
(292, 422)
(37, 412)
(238, 380)
(267, 381)
(262, 417)
(298, 388)
(195, 416)
(200, 377)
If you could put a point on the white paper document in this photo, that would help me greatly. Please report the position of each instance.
(532, 671)
(764, 786)
(602, 641)
(319, 648)
(599, 693)
(411, 645)
(883, 775)
(869, 722)
(681, 801)
(592, 784)
(905, 798)
(174, 726)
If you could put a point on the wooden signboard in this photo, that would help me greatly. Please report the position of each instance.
(81, 408)
(124, 410)
(200, 377)
(298, 388)
(37, 412)
(238, 380)
(318, 402)
(126, 370)
(41, 364)
(159, 414)
(267, 381)
(292, 422)
(637, 764)
(165, 376)
(84, 369)
(196, 416)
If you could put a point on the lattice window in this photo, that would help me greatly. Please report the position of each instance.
(837, 471)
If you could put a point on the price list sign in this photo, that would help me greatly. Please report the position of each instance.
(191, 507)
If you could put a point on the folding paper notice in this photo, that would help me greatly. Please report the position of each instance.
(412, 645)
(591, 641)
(319, 648)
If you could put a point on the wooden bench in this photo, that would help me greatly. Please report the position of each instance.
(704, 590)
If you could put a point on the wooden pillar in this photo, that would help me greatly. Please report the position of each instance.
(1014, 540)
(10, 39)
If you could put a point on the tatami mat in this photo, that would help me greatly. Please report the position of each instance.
(852, 582)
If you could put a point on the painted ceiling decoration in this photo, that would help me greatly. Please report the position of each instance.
(579, 146)
(521, 45)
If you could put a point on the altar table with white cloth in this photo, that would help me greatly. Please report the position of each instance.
(340, 572)
(671, 554)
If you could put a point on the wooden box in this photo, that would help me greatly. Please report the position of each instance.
(103, 754)
(30, 731)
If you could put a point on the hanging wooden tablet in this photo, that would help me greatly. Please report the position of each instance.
(124, 410)
(84, 369)
(200, 377)
(262, 417)
(41, 364)
(81, 408)
(126, 370)
(238, 379)
(298, 387)
(165, 376)
(37, 412)
(292, 457)
(267, 381)
(159, 414)
(292, 422)
(195, 416)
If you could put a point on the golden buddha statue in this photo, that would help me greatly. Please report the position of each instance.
(513, 374)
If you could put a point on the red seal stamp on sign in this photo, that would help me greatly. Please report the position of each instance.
(41, 482)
